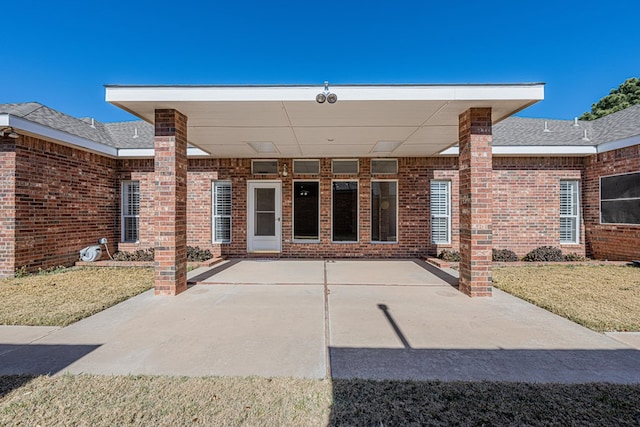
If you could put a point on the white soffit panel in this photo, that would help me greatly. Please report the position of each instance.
(289, 115)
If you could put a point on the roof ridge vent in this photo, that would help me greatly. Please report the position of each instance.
(546, 127)
(575, 122)
(585, 137)
(135, 133)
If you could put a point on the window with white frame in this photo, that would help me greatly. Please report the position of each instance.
(440, 212)
(306, 167)
(344, 211)
(130, 210)
(569, 212)
(384, 207)
(384, 166)
(221, 211)
(306, 211)
(345, 167)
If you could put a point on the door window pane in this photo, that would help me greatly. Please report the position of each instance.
(306, 218)
(383, 211)
(265, 218)
(345, 211)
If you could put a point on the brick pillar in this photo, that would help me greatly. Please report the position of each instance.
(170, 202)
(7, 206)
(475, 168)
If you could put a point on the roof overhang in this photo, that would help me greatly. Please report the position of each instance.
(27, 127)
(286, 121)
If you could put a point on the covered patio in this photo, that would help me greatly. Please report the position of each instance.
(374, 121)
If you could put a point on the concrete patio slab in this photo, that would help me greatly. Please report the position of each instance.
(207, 330)
(371, 272)
(430, 332)
(24, 334)
(268, 271)
(414, 327)
(629, 338)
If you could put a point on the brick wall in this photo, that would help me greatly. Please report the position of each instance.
(65, 200)
(609, 241)
(526, 205)
(526, 202)
(413, 201)
(7, 206)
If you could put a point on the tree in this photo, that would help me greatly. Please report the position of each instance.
(627, 94)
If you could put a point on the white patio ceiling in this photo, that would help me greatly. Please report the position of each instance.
(407, 120)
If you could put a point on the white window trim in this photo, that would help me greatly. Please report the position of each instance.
(575, 183)
(448, 215)
(214, 216)
(122, 214)
(306, 173)
(293, 211)
(389, 242)
(348, 242)
(383, 160)
(277, 172)
(347, 174)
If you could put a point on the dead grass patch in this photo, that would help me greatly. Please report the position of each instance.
(175, 401)
(62, 298)
(602, 298)
(167, 401)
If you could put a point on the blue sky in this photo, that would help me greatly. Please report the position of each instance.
(62, 53)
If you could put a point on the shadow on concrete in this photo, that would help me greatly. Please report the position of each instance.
(440, 274)
(545, 366)
(40, 359)
(212, 272)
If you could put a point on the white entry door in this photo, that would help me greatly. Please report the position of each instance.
(264, 216)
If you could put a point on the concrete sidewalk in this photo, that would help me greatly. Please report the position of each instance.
(367, 319)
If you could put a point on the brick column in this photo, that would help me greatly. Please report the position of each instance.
(475, 168)
(170, 202)
(7, 207)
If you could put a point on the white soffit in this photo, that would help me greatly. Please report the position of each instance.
(423, 119)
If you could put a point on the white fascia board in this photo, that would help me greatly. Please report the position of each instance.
(120, 94)
(621, 143)
(532, 150)
(59, 136)
(150, 152)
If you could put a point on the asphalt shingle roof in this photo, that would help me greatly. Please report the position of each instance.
(138, 134)
(513, 131)
(518, 131)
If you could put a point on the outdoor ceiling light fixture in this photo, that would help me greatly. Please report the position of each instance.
(9, 132)
(331, 98)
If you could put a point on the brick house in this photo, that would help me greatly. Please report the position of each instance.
(384, 172)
